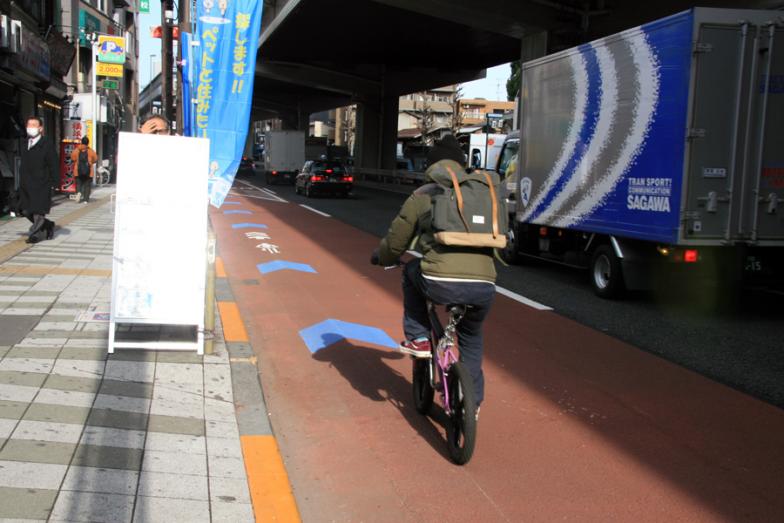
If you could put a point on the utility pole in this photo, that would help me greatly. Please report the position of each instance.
(184, 18)
(167, 14)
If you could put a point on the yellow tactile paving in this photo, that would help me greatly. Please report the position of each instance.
(233, 327)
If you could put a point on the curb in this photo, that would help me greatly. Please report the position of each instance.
(268, 481)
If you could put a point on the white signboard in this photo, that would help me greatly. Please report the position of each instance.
(160, 239)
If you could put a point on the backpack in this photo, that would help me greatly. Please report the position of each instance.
(83, 165)
(468, 213)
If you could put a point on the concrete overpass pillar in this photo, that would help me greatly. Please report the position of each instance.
(376, 133)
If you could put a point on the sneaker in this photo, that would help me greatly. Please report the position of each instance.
(417, 348)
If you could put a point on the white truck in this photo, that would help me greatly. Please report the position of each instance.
(478, 157)
(283, 156)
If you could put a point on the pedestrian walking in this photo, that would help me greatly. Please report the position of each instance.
(84, 158)
(39, 170)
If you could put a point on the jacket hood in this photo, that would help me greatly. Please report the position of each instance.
(439, 173)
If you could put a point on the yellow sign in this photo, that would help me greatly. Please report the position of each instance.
(111, 49)
(105, 69)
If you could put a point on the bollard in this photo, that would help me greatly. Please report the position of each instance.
(209, 295)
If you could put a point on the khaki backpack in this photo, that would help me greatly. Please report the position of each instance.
(469, 214)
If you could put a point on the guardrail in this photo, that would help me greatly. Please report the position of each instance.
(390, 176)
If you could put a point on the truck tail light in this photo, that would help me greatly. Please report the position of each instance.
(348, 178)
(690, 256)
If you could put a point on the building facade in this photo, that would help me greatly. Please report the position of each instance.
(475, 110)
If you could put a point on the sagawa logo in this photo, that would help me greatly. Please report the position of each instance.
(525, 191)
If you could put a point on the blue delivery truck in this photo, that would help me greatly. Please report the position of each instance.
(655, 151)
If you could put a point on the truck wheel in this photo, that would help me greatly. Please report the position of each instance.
(511, 253)
(606, 273)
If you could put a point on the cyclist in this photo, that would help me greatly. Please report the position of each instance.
(445, 274)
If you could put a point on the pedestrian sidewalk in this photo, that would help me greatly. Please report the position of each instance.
(86, 436)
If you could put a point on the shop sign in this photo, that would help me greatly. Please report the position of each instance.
(61, 53)
(33, 58)
(104, 69)
(87, 24)
(111, 49)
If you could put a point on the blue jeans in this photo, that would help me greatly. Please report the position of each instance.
(416, 322)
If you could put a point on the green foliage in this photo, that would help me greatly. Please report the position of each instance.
(513, 83)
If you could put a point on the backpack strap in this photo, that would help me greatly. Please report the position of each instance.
(459, 196)
(494, 203)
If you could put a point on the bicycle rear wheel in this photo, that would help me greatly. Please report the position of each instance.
(423, 391)
(461, 427)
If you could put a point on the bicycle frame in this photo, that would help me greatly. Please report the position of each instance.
(442, 346)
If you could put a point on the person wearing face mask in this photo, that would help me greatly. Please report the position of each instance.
(39, 171)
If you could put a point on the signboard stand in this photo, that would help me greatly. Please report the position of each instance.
(160, 244)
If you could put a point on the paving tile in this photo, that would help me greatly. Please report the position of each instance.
(107, 481)
(117, 419)
(28, 379)
(217, 382)
(224, 447)
(217, 410)
(132, 355)
(31, 475)
(179, 373)
(56, 413)
(175, 462)
(72, 383)
(37, 452)
(107, 457)
(168, 485)
(186, 407)
(26, 365)
(33, 298)
(223, 467)
(22, 311)
(59, 326)
(222, 429)
(179, 357)
(109, 437)
(163, 509)
(12, 409)
(37, 341)
(48, 431)
(185, 443)
(65, 397)
(219, 357)
(46, 353)
(231, 512)
(82, 353)
(7, 427)
(17, 393)
(176, 425)
(125, 403)
(130, 371)
(79, 368)
(87, 342)
(27, 504)
(4, 350)
(92, 506)
(126, 388)
(229, 490)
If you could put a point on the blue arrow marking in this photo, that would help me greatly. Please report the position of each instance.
(248, 226)
(328, 332)
(237, 212)
(280, 265)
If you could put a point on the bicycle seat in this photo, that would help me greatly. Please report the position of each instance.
(457, 308)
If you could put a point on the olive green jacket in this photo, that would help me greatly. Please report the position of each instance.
(411, 229)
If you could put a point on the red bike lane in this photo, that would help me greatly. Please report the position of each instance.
(575, 424)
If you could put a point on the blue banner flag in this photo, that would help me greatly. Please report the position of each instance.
(187, 83)
(224, 68)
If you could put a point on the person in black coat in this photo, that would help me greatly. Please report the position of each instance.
(39, 169)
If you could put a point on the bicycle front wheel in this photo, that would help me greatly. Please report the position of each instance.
(461, 427)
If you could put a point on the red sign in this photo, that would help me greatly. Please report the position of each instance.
(67, 182)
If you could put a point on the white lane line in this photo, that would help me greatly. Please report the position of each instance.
(263, 191)
(522, 299)
(311, 209)
(269, 191)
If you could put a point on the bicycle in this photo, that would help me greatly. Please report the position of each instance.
(443, 372)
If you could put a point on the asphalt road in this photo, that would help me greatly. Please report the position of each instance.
(743, 349)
